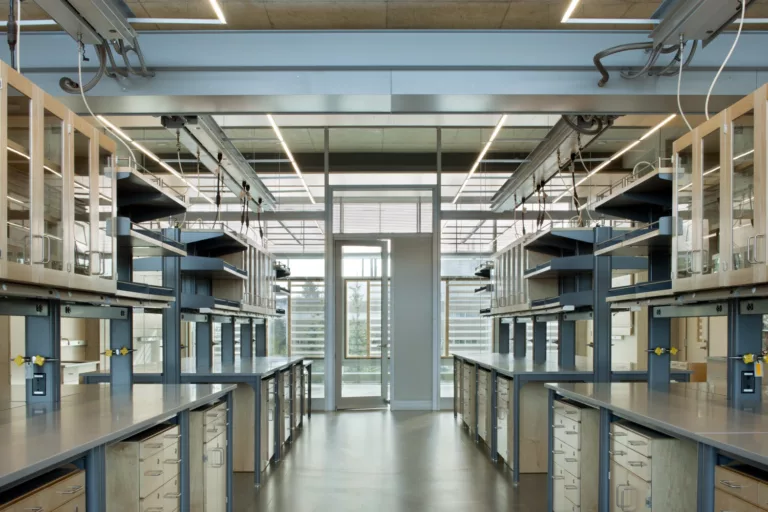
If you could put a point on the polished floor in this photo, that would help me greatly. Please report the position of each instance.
(377, 461)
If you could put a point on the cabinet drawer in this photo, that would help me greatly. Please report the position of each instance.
(725, 502)
(503, 385)
(53, 495)
(762, 495)
(75, 505)
(572, 488)
(170, 462)
(568, 410)
(219, 426)
(567, 431)
(737, 484)
(151, 475)
(631, 438)
(170, 494)
(634, 462)
(567, 458)
(158, 442)
(215, 414)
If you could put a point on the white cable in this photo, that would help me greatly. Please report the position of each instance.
(80, 49)
(728, 57)
(679, 83)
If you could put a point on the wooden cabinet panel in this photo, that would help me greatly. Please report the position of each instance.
(75, 505)
(725, 502)
(737, 483)
(567, 430)
(50, 495)
(631, 438)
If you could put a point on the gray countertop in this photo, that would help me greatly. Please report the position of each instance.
(686, 411)
(92, 417)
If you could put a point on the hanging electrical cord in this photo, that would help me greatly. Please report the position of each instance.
(181, 169)
(258, 218)
(679, 85)
(727, 57)
(581, 159)
(219, 179)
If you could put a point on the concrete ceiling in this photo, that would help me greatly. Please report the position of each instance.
(387, 14)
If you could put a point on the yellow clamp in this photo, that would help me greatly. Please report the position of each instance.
(122, 352)
(38, 360)
(19, 360)
(748, 358)
(661, 351)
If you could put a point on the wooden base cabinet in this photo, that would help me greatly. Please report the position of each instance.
(468, 396)
(298, 395)
(142, 472)
(244, 420)
(484, 405)
(575, 453)
(60, 490)
(503, 445)
(208, 459)
(533, 425)
(651, 472)
(740, 488)
(286, 404)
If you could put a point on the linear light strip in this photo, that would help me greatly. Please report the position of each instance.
(154, 157)
(569, 12)
(156, 21)
(480, 157)
(288, 153)
(218, 11)
(615, 156)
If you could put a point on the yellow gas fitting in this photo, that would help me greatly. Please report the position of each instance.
(748, 358)
(38, 360)
(19, 360)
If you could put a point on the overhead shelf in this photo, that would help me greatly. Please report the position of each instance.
(556, 240)
(640, 288)
(208, 302)
(559, 267)
(142, 197)
(212, 268)
(213, 242)
(642, 241)
(142, 242)
(282, 271)
(638, 197)
(141, 290)
(484, 270)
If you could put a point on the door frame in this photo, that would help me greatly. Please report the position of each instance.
(382, 400)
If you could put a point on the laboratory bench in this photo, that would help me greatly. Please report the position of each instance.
(104, 449)
(270, 402)
(684, 448)
(503, 402)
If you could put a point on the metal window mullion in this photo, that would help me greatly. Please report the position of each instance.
(368, 315)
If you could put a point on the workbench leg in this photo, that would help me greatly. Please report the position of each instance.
(550, 451)
(256, 385)
(43, 338)
(477, 405)
(604, 461)
(260, 335)
(706, 478)
(230, 451)
(246, 340)
(494, 419)
(745, 336)
(121, 367)
(171, 272)
(566, 331)
(456, 386)
(309, 391)
(602, 277)
(228, 342)
(184, 475)
(516, 385)
(203, 345)
(95, 480)
(539, 342)
(519, 339)
(278, 412)
(502, 336)
(659, 330)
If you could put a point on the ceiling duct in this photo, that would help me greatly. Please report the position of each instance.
(204, 134)
(695, 20)
(548, 158)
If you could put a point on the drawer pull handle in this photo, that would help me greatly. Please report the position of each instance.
(153, 509)
(617, 452)
(571, 433)
(559, 407)
(172, 436)
(153, 473)
(569, 411)
(636, 463)
(153, 445)
(570, 459)
(558, 426)
(35, 509)
(558, 452)
(211, 429)
(558, 477)
(617, 434)
(571, 487)
(637, 443)
(731, 485)
(172, 461)
(172, 495)
(72, 489)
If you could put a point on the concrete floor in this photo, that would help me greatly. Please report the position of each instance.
(376, 461)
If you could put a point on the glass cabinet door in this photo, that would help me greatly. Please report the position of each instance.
(54, 210)
(106, 246)
(82, 258)
(683, 183)
(748, 242)
(706, 259)
(19, 186)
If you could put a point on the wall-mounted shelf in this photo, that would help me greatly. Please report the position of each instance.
(143, 197)
(142, 242)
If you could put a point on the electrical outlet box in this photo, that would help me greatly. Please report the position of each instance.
(748, 382)
(38, 384)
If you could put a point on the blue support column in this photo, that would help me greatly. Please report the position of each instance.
(203, 344)
(43, 338)
(494, 419)
(121, 366)
(278, 412)
(705, 481)
(550, 450)
(95, 481)
(519, 339)
(659, 335)
(171, 270)
(184, 474)
(260, 334)
(745, 336)
(228, 342)
(601, 283)
(604, 462)
(246, 340)
(502, 336)
(566, 331)
(516, 387)
(231, 453)
(539, 342)
(257, 421)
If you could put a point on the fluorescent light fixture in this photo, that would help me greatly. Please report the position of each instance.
(737, 157)
(480, 157)
(569, 11)
(640, 21)
(614, 157)
(31, 23)
(218, 11)
(714, 169)
(288, 153)
(153, 156)
(178, 21)
(16, 151)
(52, 171)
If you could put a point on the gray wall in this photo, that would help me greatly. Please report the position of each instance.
(412, 326)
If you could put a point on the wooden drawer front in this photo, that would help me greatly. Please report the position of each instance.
(502, 401)
(53, 495)
(561, 491)
(503, 385)
(158, 442)
(762, 495)
(568, 410)
(572, 488)
(215, 414)
(170, 494)
(634, 462)
(151, 474)
(635, 440)
(737, 484)
(75, 505)
(502, 433)
(567, 431)
(219, 426)
(725, 502)
(171, 462)
(567, 458)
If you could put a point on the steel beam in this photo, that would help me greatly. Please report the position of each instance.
(659, 336)
(392, 72)
(203, 345)
(715, 309)
(21, 307)
(539, 342)
(502, 336)
(194, 317)
(246, 340)
(228, 343)
(100, 312)
(96, 482)
(705, 482)
(260, 335)
(171, 270)
(121, 366)
(566, 331)
(601, 284)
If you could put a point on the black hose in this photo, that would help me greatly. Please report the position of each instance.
(70, 86)
(655, 53)
(597, 123)
(612, 51)
(676, 70)
(13, 32)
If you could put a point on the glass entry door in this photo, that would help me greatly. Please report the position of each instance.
(362, 324)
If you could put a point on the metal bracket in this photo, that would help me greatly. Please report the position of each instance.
(715, 309)
(546, 318)
(102, 312)
(583, 315)
(23, 308)
(194, 317)
(221, 319)
(753, 307)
